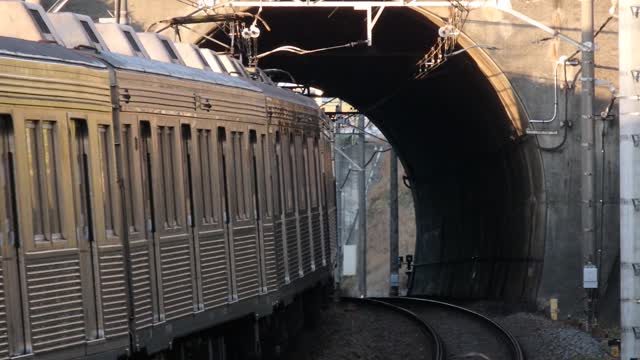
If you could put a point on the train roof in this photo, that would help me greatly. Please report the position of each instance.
(121, 39)
(27, 21)
(192, 56)
(77, 31)
(160, 48)
(137, 64)
(286, 95)
(47, 52)
(43, 38)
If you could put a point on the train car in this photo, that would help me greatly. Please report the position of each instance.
(146, 200)
(286, 112)
(63, 261)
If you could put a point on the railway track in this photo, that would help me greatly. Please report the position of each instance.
(465, 334)
(435, 345)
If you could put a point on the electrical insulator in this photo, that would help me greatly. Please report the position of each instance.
(206, 3)
(448, 31)
(254, 31)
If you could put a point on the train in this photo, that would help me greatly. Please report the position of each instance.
(149, 189)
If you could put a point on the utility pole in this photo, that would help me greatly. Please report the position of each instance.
(362, 211)
(629, 72)
(393, 225)
(587, 130)
(121, 8)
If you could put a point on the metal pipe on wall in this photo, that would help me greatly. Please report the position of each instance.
(587, 143)
(555, 98)
(629, 58)
(393, 225)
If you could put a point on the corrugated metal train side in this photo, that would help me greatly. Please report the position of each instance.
(139, 207)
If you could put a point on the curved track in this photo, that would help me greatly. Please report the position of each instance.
(435, 343)
(466, 334)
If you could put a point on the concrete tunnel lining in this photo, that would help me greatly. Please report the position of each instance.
(477, 179)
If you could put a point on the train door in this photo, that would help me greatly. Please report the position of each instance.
(317, 203)
(328, 195)
(263, 184)
(278, 208)
(208, 217)
(312, 202)
(81, 162)
(295, 150)
(256, 168)
(59, 281)
(225, 187)
(12, 338)
(173, 245)
(99, 225)
(242, 231)
(290, 205)
(306, 231)
(137, 176)
(191, 191)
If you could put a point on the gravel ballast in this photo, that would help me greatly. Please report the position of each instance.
(542, 338)
(358, 331)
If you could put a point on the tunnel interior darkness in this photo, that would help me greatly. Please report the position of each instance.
(477, 182)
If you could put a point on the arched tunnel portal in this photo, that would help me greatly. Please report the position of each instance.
(477, 179)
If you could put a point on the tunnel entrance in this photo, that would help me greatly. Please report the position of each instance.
(477, 180)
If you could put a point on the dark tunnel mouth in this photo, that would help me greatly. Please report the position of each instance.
(477, 180)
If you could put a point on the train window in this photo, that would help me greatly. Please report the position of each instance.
(7, 178)
(238, 173)
(169, 49)
(222, 139)
(329, 193)
(107, 180)
(166, 145)
(276, 172)
(313, 172)
(132, 42)
(40, 21)
(202, 59)
(80, 151)
(188, 176)
(147, 175)
(219, 63)
(290, 174)
(302, 171)
(266, 175)
(42, 157)
(128, 174)
(89, 31)
(256, 178)
(207, 178)
(321, 161)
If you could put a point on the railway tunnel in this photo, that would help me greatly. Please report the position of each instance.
(477, 179)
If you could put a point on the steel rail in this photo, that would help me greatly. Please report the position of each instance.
(514, 345)
(438, 351)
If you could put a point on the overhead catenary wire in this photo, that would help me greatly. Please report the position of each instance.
(206, 37)
(346, 177)
(299, 51)
(366, 132)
